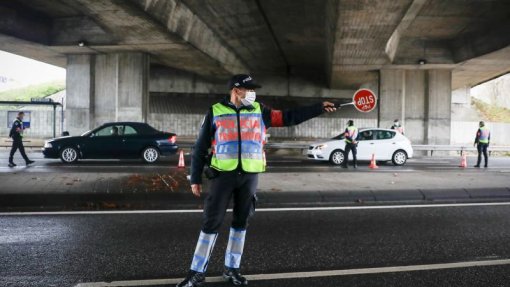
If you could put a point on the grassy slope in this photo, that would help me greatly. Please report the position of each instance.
(35, 91)
(492, 113)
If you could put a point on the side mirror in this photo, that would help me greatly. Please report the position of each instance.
(65, 133)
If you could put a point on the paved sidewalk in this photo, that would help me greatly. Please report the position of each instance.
(86, 190)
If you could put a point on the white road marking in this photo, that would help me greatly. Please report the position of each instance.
(313, 274)
(332, 208)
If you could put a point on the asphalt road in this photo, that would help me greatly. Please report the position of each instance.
(66, 249)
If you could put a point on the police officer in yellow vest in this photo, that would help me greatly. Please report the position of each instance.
(350, 135)
(482, 139)
(234, 132)
(16, 133)
(397, 126)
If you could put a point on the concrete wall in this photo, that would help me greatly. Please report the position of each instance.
(463, 133)
(41, 122)
(321, 127)
(183, 114)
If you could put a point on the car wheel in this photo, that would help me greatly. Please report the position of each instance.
(69, 155)
(399, 157)
(337, 157)
(150, 154)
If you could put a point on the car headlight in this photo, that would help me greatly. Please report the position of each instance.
(48, 145)
(322, 146)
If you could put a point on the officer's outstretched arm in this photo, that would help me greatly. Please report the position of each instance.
(290, 117)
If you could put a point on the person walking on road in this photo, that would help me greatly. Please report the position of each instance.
(482, 140)
(16, 133)
(350, 135)
(234, 130)
(397, 126)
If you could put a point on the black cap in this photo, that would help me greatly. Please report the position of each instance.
(242, 81)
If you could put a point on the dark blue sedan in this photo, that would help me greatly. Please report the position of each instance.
(116, 140)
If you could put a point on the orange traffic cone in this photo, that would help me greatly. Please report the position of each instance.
(372, 162)
(181, 159)
(463, 161)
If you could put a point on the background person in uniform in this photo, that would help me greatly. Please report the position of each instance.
(16, 133)
(482, 139)
(114, 131)
(234, 129)
(397, 126)
(350, 134)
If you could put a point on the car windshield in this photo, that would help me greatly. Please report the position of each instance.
(86, 133)
(338, 137)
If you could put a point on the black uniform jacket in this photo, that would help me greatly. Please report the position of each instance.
(271, 118)
(16, 130)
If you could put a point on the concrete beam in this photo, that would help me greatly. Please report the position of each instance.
(69, 31)
(393, 42)
(471, 46)
(180, 20)
(361, 34)
(24, 24)
(192, 46)
(32, 50)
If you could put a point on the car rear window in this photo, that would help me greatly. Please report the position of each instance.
(129, 130)
(384, 135)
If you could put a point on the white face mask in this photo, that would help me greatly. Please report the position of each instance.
(397, 124)
(249, 99)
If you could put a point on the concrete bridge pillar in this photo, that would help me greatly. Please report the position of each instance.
(421, 99)
(79, 111)
(105, 88)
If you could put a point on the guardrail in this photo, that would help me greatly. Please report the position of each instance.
(428, 148)
(458, 148)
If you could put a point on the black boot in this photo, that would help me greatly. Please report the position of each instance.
(11, 164)
(29, 162)
(233, 275)
(194, 279)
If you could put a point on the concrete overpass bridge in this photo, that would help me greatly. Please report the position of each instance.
(126, 60)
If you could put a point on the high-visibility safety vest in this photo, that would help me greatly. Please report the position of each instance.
(352, 132)
(484, 135)
(239, 135)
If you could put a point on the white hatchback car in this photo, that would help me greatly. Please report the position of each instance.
(385, 144)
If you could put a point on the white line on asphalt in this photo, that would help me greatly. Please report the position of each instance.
(332, 208)
(313, 274)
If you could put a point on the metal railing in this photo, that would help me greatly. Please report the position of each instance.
(457, 148)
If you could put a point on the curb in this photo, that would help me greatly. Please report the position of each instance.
(176, 200)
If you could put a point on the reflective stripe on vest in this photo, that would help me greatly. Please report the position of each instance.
(484, 135)
(352, 132)
(227, 140)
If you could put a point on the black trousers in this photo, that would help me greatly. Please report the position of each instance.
(237, 185)
(350, 147)
(482, 148)
(17, 144)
